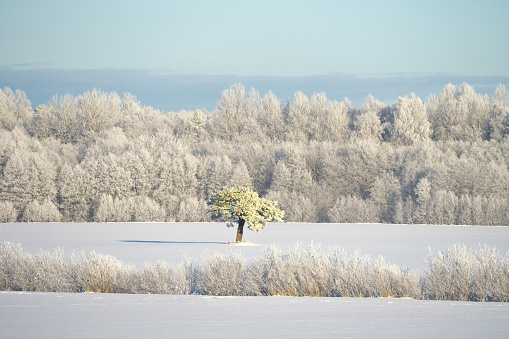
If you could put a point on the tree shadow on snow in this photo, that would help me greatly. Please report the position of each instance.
(172, 242)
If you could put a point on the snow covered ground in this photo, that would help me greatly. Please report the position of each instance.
(137, 243)
(61, 315)
(30, 315)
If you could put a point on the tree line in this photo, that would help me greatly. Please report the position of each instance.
(104, 157)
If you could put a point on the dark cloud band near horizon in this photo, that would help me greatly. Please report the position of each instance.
(174, 92)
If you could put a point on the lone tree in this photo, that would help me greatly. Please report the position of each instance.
(241, 205)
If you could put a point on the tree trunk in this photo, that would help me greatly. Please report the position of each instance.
(240, 230)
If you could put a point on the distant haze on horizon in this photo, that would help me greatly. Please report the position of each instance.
(181, 54)
(170, 92)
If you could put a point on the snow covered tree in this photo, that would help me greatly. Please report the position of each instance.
(230, 113)
(318, 114)
(146, 209)
(337, 121)
(240, 176)
(58, 119)
(281, 178)
(411, 123)
(192, 210)
(73, 193)
(218, 173)
(14, 107)
(41, 212)
(367, 124)
(297, 207)
(474, 109)
(8, 212)
(298, 118)
(384, 192)
(327, 120)
(443, 113)
(27, 176)
(271, 118)
(197, 124)
(423, 198)
(97, 111)
(241, 205)
(499, 114)
(351, 209)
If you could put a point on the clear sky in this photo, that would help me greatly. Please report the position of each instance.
(287, 38)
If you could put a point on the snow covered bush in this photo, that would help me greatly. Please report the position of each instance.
(224, 275)
(104, 274)
(43, 272)
(11, 257)
(272, 275)
(348, 275)
(162, 279)
(458, 273)
(312, 272)
(155, 279)
(462, 274)
(391, 281)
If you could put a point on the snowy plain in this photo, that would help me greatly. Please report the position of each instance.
(31, 315)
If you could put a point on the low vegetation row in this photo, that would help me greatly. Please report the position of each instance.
(459, 273)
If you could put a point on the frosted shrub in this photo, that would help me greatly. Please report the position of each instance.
(273, 275)
(224, 275)
(188, 276)
(491, 281)
(155, 279)
(460, 274)
(11, 257)
(456, 274)
(163, 279)
(8, 212)
(449, 275)
(46, 271)
(390, 281)
(348, 275)
(26, 276)
(309, 266)
(41, 212)
(104, 274)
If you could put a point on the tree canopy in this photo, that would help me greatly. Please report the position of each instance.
(241, 205)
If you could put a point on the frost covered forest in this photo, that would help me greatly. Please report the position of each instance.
(104, 157)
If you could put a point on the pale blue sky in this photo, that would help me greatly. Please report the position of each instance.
(259, 37)
(182, 54)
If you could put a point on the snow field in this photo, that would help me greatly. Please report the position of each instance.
(119, 315)
(90, 315)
